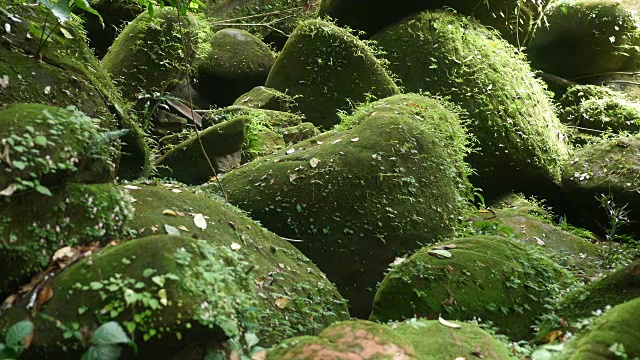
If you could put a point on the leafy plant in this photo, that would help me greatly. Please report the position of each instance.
(105, 342)
(16, 340)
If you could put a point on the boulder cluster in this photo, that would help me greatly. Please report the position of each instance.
(320, 179)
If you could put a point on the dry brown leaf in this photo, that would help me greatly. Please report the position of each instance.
(552, 336)
(259, 355)
(282, 302)
(45, 294)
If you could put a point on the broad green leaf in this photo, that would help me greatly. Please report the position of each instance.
(110, 333)
(251, 339)
(84, 5)
(43, 190)
(61, 10)
(18, 333)
(102, 352)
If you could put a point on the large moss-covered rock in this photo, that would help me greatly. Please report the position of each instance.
(515, 19)
(594, 109)
(33, 226)
(391, 178)
(273, 118)
(491, 278)
(236, 63)
(330, 69)
(48, 146)
(617, 330)
(610, 168)
(265, 98)
(295, 297)
(187, 163)
(169, 292)
(615, 288)
(69, 74)
(433, 341)
(521, 143)
(527, 222)
(148, 57)
(356, 339)
(587, 38)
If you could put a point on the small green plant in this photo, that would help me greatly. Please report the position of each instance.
(105, 341)
(618, 217)
(16, 340)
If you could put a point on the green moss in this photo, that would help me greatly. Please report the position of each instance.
(594, 109)
(617, 329)
(521, 143)
(433, 341)
(391, 179)
(345, 340)
(491, 278)
(147, 58)
(295, 298)
(45, 145)
(266, 98)
(330, 69)
(33, 226)
(586, 38)
(610, 167)
(236, 63)
(515, 19)
(298, 133)
(272, 118)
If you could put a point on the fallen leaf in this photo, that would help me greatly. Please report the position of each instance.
(443, 254)
(171, 230)
(291, 151)
(461, 358)
(552, 336)
(183, 228)
(355, 139)
(7, 27)
(44, 295)
(169, 212)
(154, 229)
(9, 190)
(292, 177)
(448, 323)
(235, 246)
(539, 241)
(200, 221)
(282, 302)
(132, 187)
(259, 355)
(177, 191)
(47, 89)
(66, 33)
(314, 162)
(4, 81)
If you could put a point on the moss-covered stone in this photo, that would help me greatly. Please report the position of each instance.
(521, 142)
(265, 98)
(391, 178)
(515, 19)
(48, 146)
(295, 297)
(608, 168)
(33, 226)
(526, 222)
(491, 278)
(615, 288)
(298, 133)
(433, 341)
(236, 63)
(69, 74)
(187, 163)
(272, 118)
(147, 58)
(169, 292)
(617, 329)
(329, 69)
(593, 109)
(586, 38)
(356, 339)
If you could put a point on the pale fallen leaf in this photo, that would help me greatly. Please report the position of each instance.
(314, 162)
(355, 139)
(448, 323)
(169, 212)
(282, 302)
(47, 89)
(183, 228)
(7, 27)
(4, 81)
(259, 355)
(336, 141)
(235, 246)
(291, 151)
(200, 221)
(9, 190)
(132, 187)
(293, 177)
(461, 358)
(443, 254)
(171, 230)
(66, 33)
(176, 191)
(154, 228)
(539, 241)
(398, 261)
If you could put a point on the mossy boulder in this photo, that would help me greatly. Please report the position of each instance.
(273, 118)
(515, 19)
(617, 329)
(265, 98)
(236, 63)
(610, 168)
(433, 341)
(356, 339)
(47, 146)
(519, 219)
(298, 133)
(169, 292)
(147, 58)
(614, 288)
(594, 109)
(587, 38)
(391, 178)
(520, 140)
(33, 226)
(295, 298)
(69, 74)
(187, 163)
(492, 278)
(329, 69)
